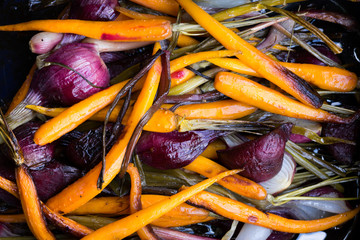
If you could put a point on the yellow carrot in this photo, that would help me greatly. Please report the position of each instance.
(128, 225)
(324, 77)
(239, 211)
(184, 41)
(85, 188)
(141, 16)
(235, 183)
(245, 90)
(210, 151)
(126, 30)
(255, 59)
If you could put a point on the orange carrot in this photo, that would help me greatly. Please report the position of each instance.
(245, 90)
(64, 223)
(85, 188)
(239, 211)
(210, 151)
(13, 218)
(135, 201)
(235, 183)
(141, 16)
(255, 59)
(225, 109)
(22, 92)
(181, 215)
(163, 120)
(31, 204)
(191, 58)
(180, 76)
(184, 41)
(165, 6)
(324, 77)
(128, 225)
(126, 30)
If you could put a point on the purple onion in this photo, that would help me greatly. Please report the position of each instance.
(174, 149)
(94, 10)
(286, 213)
(260, 159)
(63, 86)
(33, 153)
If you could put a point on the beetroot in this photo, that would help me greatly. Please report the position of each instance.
(174, 149)
(260, 159)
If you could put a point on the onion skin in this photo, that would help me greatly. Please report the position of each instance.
(95, 10)
(261, 158)
(62, 86)
(33, 154)
(175, 149)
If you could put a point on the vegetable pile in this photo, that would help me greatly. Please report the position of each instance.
(156, 119)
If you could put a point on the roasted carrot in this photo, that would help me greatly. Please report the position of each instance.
(224, 109)
(210, 151)
(126, 30)
(128, 225)
(142, 16)
(184, 41)
(86, 188)
(13, 218)
(255, 59)
(22, 92)
(165, 6)
(245, 90)
(239, 211)
(181, 76)
(77, 114)
(235, 183)
(191, 58)
(181, 215)
(163, 120)
(64, 223)
(31, 204)
(135, 201)
(324, 77)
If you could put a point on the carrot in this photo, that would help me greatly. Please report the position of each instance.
(128, 225)
(64, 223)
(224, 109)
(191, 58)
(210, 151)
(77, 114)
(141, 16)
(180, 76)
(163, 120)
(22, 92)
(329, 78)
(85, 188)
(245, 90)
(31, 204)
(13, 218)
(126, 30)
(184, 41)
(255, 59)
(235, 183)
(181, 215)
(135, 201)
(165, 6)
(241, 212)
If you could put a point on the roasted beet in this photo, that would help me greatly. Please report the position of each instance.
(260, 159)
(84, 152)
(174, 149)
(342, 152)
(33, 153)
